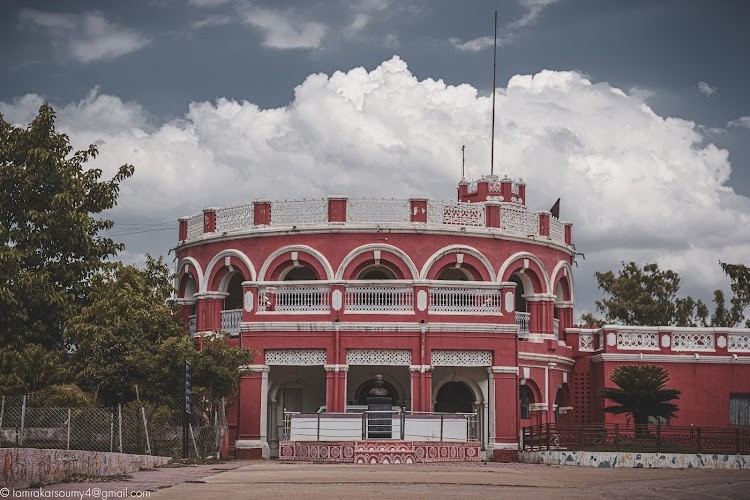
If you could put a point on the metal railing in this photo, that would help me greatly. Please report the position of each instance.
(380, 424)
(652, 438)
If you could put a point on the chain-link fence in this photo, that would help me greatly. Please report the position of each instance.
(131, 428)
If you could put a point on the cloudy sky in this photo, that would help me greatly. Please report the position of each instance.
(635, 113)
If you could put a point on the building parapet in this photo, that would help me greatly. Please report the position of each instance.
(491, 215)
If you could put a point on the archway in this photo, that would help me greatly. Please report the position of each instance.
(526, 399)
(455, 397)
(300, 273)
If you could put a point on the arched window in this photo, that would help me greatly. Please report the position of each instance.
(520, 291)
(526, 398)
(234, 289)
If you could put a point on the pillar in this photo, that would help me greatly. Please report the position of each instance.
(209, 220)
(208, 311)
(337, 209)
(568, 233)
(261, 212)
(336, 388)
(418, 208)
(544, 223)
(252, 438)
(182, 231)
(504, 413)
(492, 214)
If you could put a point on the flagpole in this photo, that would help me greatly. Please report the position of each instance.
(494, 74)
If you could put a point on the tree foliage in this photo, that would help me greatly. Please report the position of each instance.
(642, 393)
(739, 276)
(50, 242)
(646, 296)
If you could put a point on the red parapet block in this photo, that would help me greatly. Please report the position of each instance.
(261, 213)
(337, 209)
(544, 223)
(209, 220)
(418, 209)
(182, 231)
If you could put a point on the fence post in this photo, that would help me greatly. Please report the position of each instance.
(119, 425)
(403, 425)
(145, 428)
(698, 439)
(547, 429)
(364, 425)
(441, 427)
(195, 445)
(531, 438)
(617, 437)
(317, 435)
(111, 431)
(737, 440)
(658, 437)
(2, 412)
(68, 437)
(23, 419)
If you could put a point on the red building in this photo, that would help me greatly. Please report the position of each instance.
(464, 307)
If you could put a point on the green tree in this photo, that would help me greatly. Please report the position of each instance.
(739, 276)
(642, 393)
(49, 240)
(645, 296)
(126, 326)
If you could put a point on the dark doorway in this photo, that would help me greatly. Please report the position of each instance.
(364, 390)
(454, 397)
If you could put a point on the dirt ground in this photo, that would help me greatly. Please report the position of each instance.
(273, 479)
(492, 480)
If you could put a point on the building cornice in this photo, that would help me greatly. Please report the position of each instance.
(670, 358)
(546, 358)
(390, 327)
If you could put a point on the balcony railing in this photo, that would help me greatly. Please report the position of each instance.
(522, 320)
(192, 325)
(379, 298)
(465, 300)
(295, 298)
(230, 320)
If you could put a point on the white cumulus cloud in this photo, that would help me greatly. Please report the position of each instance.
(85, 37)
(742, 121)
(636, 185)
(284, 29)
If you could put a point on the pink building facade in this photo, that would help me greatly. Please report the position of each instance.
(463, 307)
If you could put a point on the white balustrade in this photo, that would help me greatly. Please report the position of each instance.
(379, 298)
(635, 341)
(455, 214)
(374, 211)
(556, 230)
(192, 325)
(586, 342)
(522, 320)
(519, 221)
(234, 218)
(465, 300)
(556, 328)
(295, 298)
(692, 341)
(739, 343)
(299, 212)
(195, 227)
(230, 320)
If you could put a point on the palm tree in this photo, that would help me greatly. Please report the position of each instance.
(642, 394)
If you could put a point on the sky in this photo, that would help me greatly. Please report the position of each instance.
(636, 114)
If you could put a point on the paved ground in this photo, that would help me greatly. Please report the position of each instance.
(272, 479)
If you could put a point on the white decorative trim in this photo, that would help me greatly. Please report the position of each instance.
(546, 358)
(461, 358)
(336, 368)
(296, 357)
(693, 341)
(637, 341)
(296, 248)
(337, 300)
(198, 271)
(422, 300)
(671, 358)
(456, 249)
(567, 273)
(219, 256)
(397, 252)
(739, 343)
(503, 369)
(420, 368)
(389, 327)
(378, 357)
(526, 255)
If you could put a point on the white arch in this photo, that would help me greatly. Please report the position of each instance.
(526, 255)
(457, 249)
(296, 248)
(229, 252)
(198, 272)
(377, 246)
(564, 265)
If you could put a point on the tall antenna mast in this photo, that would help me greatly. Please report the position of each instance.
(463, 162)
(494, 73)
